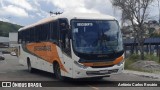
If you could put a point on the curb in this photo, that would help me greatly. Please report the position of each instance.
(143, 74)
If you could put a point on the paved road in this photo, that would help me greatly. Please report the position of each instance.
(11, 70)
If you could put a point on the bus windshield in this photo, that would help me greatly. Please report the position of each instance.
(96, 36)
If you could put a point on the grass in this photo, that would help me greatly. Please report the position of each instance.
(152, 58)
(134, 58)
(6, 27)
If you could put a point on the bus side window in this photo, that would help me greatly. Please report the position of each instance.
(19, 37)
(44, 32)
(31, 35)
(64, 34)
(54, 32)
(26, 35)
(37, 33)
(23, 36)
(48, 32)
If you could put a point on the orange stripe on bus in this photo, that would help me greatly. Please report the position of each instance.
(47, 51)
(116, 61)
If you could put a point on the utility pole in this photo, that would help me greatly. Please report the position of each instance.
(159, 53)
(56, 13)
(51, 13)
(159, 10)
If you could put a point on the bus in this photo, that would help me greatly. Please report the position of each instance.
(73, 45)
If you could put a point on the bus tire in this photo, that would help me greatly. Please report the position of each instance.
(100, 78)
(57, 72)
(30, 69)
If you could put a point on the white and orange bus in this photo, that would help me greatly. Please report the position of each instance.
(73, 45)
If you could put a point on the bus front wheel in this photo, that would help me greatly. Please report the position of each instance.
(30, 69)
(57, 72)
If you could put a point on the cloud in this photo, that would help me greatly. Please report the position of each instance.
(36, 2)
(7, 20)
(71, 5)
(86, 6)
(1, 3)
(4, 19)
(21, 3)
(12, 10)
(33, 10)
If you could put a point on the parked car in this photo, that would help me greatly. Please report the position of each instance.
(13, 53)
(1, 56)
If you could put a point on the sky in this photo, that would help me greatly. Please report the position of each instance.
(25, 12)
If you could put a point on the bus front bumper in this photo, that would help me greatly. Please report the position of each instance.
(97, 72)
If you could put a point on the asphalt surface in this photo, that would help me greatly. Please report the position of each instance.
(11, 70)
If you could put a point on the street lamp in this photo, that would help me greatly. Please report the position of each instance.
(56, 13)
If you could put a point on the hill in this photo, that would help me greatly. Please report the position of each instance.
(6, 27)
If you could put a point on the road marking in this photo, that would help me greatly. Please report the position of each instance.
(95, 88)
(3, 72)
(3, 62)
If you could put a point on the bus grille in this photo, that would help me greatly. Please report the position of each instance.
(102, 66)
(101, 72)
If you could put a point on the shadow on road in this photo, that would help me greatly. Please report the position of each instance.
(40, 73)
(68, 82)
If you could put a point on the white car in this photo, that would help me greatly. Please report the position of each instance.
(1, 56)
(13, 53)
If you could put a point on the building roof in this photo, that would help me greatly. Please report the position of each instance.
(4, 39)
(72, 16)
(148, 41)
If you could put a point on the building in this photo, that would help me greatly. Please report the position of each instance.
(151, 27)
(4, 42)
(13, 38)
(128, 32)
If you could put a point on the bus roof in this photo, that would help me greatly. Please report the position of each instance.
(69, 16)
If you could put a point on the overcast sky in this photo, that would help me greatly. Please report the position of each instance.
(25, 12)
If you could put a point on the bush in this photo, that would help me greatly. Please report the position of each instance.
(135, 57)
(152, 58)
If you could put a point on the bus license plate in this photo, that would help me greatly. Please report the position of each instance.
(104, 71)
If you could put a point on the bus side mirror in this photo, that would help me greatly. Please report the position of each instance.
(64, 27)
(37, 41)
(63, 24)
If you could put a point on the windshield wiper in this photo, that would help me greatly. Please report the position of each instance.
(103, 40)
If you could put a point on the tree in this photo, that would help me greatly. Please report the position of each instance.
(136, 12)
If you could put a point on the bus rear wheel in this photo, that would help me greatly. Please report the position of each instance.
(30, 69)
(97, 78)
(57, 72)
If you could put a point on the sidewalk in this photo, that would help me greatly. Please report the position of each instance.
(144, 74)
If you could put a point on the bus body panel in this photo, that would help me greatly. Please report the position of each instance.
(46, 51)
(43, 60)
(36, 62)
(82, 73)
(68, 63)
(72, 70)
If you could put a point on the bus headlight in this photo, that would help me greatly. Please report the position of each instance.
(80, 65)
(119, 64)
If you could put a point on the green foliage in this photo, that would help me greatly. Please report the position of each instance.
(128, 62)
(151, 30)
(155, 35)
(6, 27)
(135, 57)
(152, 58)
